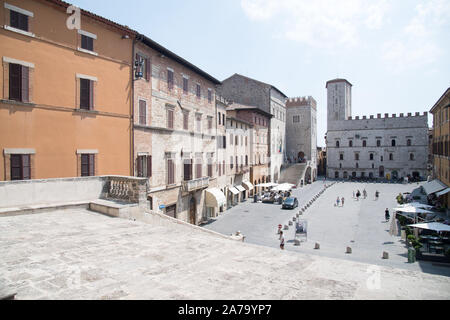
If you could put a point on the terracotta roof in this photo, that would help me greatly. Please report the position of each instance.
(337, 80)
(447, 92)
(156, 46)
(235, 106)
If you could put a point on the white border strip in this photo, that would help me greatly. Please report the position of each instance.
(19, 10)
(87, 34)
(19, 151)
(87, 151)
(83, 76)
(23, 63)
(170, 69)
(25, 33)
(87, 51)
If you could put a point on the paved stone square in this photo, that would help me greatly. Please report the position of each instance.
(78, 254)
(358, 224)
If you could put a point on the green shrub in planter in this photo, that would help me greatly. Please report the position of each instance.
(401, 220)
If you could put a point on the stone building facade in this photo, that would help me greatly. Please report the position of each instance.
(259, 143)
(441, 143)
(301, 131)
(175, 131)
(250, 92)
(375, 147)
(239, 134)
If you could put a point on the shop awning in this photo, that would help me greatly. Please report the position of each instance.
(433, 186)
(240, 188)
(441, 193)
(214, 198)
(436, 226)
(233, 190)
(247, 185)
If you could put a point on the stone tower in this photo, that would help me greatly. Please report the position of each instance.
(339, 100)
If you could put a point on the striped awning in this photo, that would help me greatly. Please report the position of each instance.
(233, 190)
(240, 188)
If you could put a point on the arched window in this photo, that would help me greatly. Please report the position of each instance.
(411, 156)
(337, 144)
(350, 143)
(391, 156)
(364, 143)
(356, 156)
(341, 156)
(357, 165)
(371, 156)
(336, 174)
(393, 142)
(408, 142)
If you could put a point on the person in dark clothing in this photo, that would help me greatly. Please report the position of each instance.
(386, 214)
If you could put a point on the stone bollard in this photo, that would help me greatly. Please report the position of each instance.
(385, 255)
(317, 246)
(286, 227)
(296, 242)
(349, 250)
(290, 222)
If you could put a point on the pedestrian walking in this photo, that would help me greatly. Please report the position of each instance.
(358, 194)
(377, 194)
(337, 201)
(386, 214)
(279, 229)
(281, 241)
(342, 200)
(365, 193)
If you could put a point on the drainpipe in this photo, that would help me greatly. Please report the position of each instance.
(132, 106)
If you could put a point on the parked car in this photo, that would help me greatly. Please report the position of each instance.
(290, 203)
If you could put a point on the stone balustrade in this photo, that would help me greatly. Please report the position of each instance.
(195, 184)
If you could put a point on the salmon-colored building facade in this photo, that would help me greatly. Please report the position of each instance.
(66, 94)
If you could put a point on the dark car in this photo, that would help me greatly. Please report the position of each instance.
(290, 203)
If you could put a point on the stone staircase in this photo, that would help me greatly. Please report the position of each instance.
(293, 173)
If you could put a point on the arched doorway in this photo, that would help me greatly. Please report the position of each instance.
(308, 175)
(345, 175)
(301, 157)
(381, 172)
(192, 210)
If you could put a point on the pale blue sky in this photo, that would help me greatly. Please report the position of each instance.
(394, 52)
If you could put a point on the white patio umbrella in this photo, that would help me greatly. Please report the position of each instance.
(283, 187)
(412, 209)
(436, 226)
(267, 184)
(417, 205)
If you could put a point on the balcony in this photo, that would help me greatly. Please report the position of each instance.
(195, 184)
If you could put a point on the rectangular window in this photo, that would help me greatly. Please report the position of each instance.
(20, 167)
(198, 90)
(87, 165)
(223, 118)
(198, 169)
(199, 123)
(170, 171)
(231, 162)
(187, 171)
(18, 82)
(143, 69)
(87, 43)
(144, 166)
(210, 174)
(224, 142)
(142, 112)
(185, 120)
(209, 123)
(18, 20)
(170, 79)
(185, 85)
(223, 167)
(218, 116)
(209, 96)
(86, 94)
(169, 118)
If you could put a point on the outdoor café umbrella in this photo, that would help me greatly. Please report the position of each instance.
(283, 187)
(267, 184)
(436, 226)
(414, 210)
(416, 205)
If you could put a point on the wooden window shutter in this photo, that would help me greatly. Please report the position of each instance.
(147, 69)
(149, 166)
(25, 84)
(15, 81)
(26, 167)
(142, 112)
(84, 94)
(16, 167)
(91, 95)
(92, 164)
(139, 166)
(84, 165)
(170, 118)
